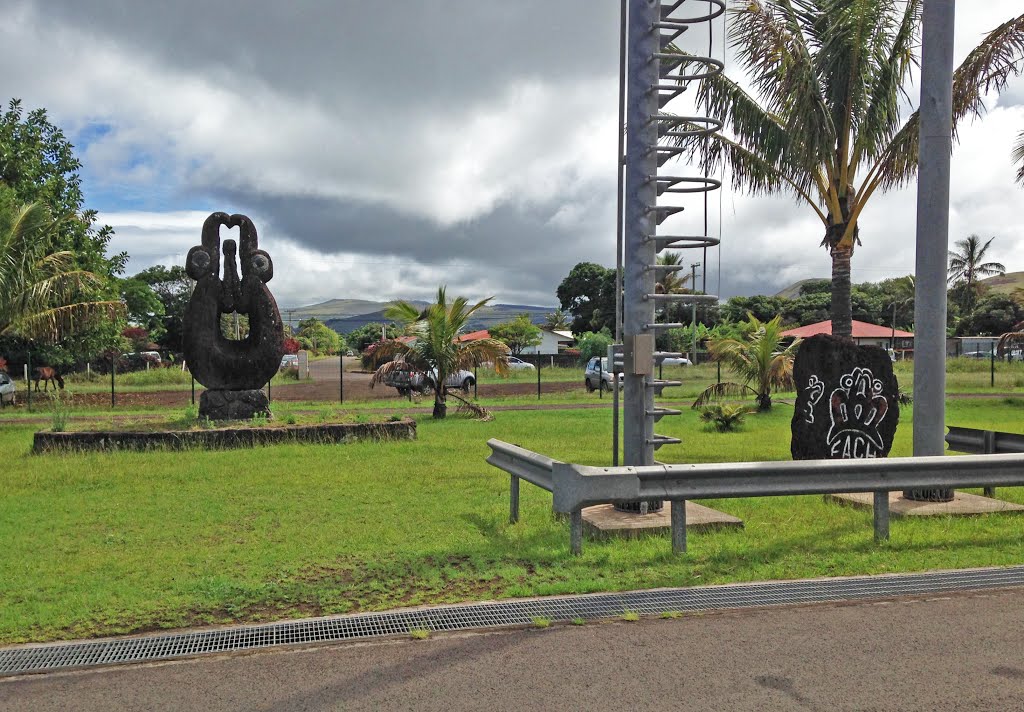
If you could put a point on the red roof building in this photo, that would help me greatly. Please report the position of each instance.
(475, 335)
(864, 334)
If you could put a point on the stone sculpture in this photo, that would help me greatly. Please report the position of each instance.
(234, 372)
(847, 400)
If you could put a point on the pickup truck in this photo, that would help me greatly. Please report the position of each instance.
(407, 380)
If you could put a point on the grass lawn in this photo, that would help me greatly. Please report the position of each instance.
(98, 544)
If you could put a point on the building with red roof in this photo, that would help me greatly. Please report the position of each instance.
(864, 334)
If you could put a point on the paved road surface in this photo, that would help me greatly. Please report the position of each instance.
(962, 652)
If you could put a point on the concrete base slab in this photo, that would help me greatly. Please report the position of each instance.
(962, 504)
(604, 520)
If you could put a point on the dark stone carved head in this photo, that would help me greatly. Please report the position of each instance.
(216, 361)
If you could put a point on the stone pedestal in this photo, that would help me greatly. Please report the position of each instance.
(233, 405)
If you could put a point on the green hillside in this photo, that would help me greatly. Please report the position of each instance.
(1005, 283)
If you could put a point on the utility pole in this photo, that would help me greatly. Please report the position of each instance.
(693, 310)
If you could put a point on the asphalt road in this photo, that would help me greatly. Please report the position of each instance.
(961, 652)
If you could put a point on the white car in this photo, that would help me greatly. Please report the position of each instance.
(676, 361)
(8, 390)
(289, 361)
(517, 364)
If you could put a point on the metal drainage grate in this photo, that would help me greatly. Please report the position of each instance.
(362, 626)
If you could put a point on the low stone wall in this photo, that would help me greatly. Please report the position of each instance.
(221, 438)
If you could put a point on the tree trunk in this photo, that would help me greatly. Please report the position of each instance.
(440, 406)
(842, 309)
(764, 402)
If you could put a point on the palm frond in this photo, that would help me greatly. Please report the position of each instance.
(1018, 157)
(717, 391)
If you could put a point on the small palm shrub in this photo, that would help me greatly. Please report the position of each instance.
(724, 417)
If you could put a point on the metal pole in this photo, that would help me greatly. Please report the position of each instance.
(576, 532)
(992, 365)
(475, 381)
(113, 367)
(693, 312)
(933, 227)
(678, 516)
(600, 379)
(538, 381)
(28, 383)
(620, 167)
(640, 221)
(990, 449)
(193, 388)
(881, 516)
(341, 376)
(513, 500)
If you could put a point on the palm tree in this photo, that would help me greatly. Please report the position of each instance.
(669, 280)
(759, 359)
(42, 294)
(557, 320)
(824, 121)
(966, 266)
(436, 351)
(1018, 157)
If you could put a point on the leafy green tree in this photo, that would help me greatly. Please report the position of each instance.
(825, 121)
(967, 266)
(594, 343)
(995, 314)
(760, 360)
(588, 293)
(143, 306)
(39, 164)
(437, 351)
(317, 337)
(763, 307)
(359, 339)
(173, 287)
(518, 334)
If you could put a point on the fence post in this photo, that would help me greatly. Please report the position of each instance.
(513, 500)
(538, 381)
(28, 384)
(113, 367)
(341, 377)
(678, 510)
(990, 449)
(193, 387)
(576, 532)
(475, 381)
(881, 516)
(992, 367)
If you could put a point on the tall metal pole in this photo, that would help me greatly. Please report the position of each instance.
(620, 168)
(933, 229)
(639, 222)
(693, 312)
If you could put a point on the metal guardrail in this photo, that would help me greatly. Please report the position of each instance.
(578, 486)
(984, 442)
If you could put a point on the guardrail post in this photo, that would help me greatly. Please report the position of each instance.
(990, 449)
(576, 532)
(513, 500)
(678, 509)
(881, 516)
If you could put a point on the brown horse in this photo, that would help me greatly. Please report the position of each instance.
(47, 375)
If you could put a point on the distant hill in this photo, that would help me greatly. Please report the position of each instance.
(793, 290)
(1005, 283)
(345, 315)
(1001, 284)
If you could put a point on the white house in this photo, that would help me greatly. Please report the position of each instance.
(551, 342)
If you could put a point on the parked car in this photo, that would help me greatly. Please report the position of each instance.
(596, 375)
(8, 390)
(517, 364)
(977, 354)
(289, 361)
(676, 361)
(406, 380)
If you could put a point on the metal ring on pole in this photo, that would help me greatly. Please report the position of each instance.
(711, 125)
(695, 240)
(706, 184)
(666, 12)
(717, 65)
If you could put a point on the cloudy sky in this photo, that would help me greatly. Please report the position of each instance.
(383, 148)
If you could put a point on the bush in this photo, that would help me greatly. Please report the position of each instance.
(724, 417)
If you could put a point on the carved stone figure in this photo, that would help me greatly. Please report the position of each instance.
(847, 402)
(234, 372)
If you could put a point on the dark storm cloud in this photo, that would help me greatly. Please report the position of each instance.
(402, 55)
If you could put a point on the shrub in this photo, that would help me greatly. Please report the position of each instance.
(724, 417)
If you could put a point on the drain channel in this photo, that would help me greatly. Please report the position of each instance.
(362, 626)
